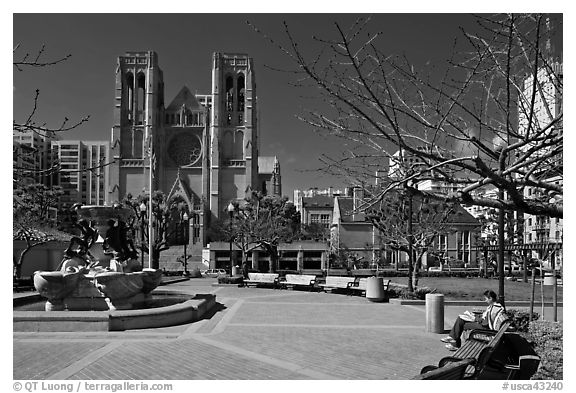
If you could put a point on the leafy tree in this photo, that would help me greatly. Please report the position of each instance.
(31, 205)
(165, 217)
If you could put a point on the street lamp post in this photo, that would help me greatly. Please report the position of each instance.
(142, 215)
(231, 208)
(185, 219)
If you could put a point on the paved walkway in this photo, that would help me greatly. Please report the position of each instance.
(256, 333)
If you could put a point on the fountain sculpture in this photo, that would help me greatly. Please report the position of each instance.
(98, 272)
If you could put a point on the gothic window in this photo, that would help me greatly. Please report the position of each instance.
(130, 85)
(227, 143)
(137, 141)
(239, 145)
(185, 149)
(229, 93)
(141, 99)
(228, 119)
(240, 89)
(240, 118)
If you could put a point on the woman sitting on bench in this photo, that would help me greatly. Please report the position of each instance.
(486, 320)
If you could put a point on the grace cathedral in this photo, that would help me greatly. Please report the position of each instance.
(204, 148)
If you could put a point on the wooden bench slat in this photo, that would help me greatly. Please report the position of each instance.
(455, 370)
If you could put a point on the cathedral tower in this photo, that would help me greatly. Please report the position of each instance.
(139, 103)
(233, 132)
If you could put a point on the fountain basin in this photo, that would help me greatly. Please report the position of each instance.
(56, 284)
(190, 309)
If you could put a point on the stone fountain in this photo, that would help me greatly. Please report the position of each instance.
(100, 271)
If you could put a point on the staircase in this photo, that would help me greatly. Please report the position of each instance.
(169, 259)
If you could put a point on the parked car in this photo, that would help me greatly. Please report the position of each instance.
(213, 272)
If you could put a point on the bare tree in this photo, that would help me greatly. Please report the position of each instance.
(492, 117)
(411, 224)
(21, 62)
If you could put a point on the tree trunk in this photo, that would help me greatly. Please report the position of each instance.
(155, 258)
(17, 268)
(273, 262)
(410, 272)
(416, 272)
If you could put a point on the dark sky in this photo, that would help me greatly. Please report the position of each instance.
(84, 85)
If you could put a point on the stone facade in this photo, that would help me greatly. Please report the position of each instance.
(202, 147)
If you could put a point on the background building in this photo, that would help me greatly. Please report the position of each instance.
(544, 234)
(83, 171)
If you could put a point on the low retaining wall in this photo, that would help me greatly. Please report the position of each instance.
(92, 321)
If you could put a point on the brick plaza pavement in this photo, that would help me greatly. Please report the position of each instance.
(257, 333)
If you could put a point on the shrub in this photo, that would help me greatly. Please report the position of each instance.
(403, 293)
(547, 338)
(195, 273)
(458, 273)
(521, 319)
(229, 280)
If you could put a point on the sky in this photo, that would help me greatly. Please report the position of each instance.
(84, 84)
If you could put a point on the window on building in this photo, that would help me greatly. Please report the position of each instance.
(325, 220)
(530, 222)
(314, 218)
(240, 89)
(529, 237)
(229, 94)
(130, 83)
(141, 99)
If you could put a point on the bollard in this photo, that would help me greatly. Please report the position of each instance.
(435, 313)
(375, 289)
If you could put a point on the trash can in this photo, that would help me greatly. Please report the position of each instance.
(435, 313)
(375, 289)
(549, 277)
(235, 271)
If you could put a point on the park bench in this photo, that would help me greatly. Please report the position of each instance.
(480, 345)
(454, 370)
(298, 280)
(359, 286)
(336, 282)
(270, 279)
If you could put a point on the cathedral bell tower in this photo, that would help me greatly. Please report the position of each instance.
(139, 103)
(233, 131)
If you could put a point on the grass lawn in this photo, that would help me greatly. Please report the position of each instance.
(455, 288)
